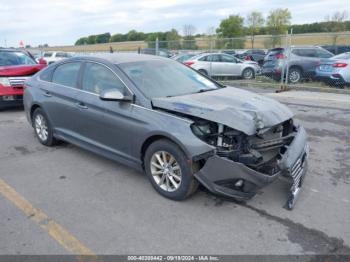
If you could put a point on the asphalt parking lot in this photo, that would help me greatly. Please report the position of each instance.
(111, 209)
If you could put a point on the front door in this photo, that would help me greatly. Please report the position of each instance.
(104, 124)
(229, 66)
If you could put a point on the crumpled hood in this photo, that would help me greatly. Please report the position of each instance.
(233, 107)
(20, 70)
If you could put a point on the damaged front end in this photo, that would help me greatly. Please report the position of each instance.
(242, 164)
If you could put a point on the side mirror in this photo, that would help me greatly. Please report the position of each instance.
(114, 95)
(42, 61)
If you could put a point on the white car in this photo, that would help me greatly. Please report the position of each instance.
(54, 56)
(219, 64)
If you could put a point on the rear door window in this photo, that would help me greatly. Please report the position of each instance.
(67, 74)
(323, 54)
(214, 58)
(305, 52)
(204, 58)
(228, 59)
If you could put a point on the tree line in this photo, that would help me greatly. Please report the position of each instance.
(277, 22)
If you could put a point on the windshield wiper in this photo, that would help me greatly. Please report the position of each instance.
(205, 90)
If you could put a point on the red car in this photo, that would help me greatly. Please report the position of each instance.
(15, 67)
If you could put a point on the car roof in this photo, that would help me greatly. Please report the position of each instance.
(306, 46)
(335, 45)
(118, 58)
(209, 53)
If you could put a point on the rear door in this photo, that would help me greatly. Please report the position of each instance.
(104, 124)
(215, 68)
(60, 93)
(307, 59)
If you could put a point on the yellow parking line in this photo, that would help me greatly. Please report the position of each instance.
(56, 231)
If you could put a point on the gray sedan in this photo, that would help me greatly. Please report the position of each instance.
(161, 117)
(218, 64)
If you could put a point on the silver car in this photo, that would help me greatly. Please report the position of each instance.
(178, 126)
(335, 71)
(219, 64)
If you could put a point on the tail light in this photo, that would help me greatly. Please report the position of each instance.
(248, 58)
(189, 63)
(340, 65)
(280, 56)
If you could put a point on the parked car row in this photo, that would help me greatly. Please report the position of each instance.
(307, 62)
(295, 63)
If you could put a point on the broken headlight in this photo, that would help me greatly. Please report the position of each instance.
(218, 135)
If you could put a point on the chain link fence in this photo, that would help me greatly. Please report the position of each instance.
(300, 60)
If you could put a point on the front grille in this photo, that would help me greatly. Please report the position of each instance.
(18, 81)
(269, 144)
(297, 172)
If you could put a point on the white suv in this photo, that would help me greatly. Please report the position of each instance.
(52, 57)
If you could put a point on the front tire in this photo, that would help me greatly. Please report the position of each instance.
(169, 171)
(248, 73)
(203, 72)
(42, 128)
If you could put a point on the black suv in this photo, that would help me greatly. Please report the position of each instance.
(152, 51)
(256, 55)
(301, 64)
(337, 49)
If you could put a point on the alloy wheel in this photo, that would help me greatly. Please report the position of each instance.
(294, 76)
(166, 171)
(41, 128)
(248, 74)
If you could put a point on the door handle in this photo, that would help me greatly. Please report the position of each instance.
(47, 94)
(81, 105)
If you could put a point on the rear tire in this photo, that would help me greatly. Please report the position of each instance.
(294, 75)
(169, 171)
(43, 128)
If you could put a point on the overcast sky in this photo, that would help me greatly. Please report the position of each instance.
(62, 22)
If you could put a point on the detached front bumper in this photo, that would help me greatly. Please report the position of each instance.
(231, 179)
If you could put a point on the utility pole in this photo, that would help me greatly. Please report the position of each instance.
(284, 64)
(288, 56)
(157, 46)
